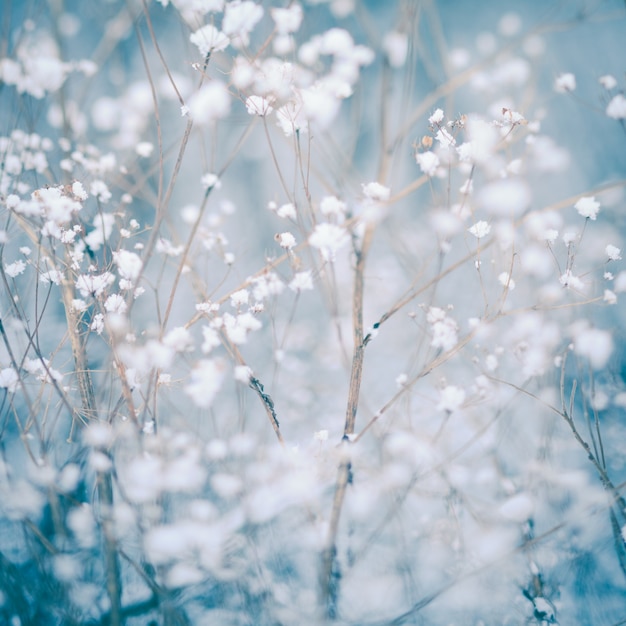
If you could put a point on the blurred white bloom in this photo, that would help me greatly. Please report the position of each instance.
(102, 228)
(569, 280)
(98, 435)
(595, 344)
(94, 285)
(165, 246)
(240, 18)
(243, 374)
(376, 191)
(206, 380)
(443, 329)
(519, 508)
(179, 339)
(396, 47)
(506, 281)
(211, 339)
(257, 105)
(613, 253)
(451, 398)
(115, 304)
(436, 118)
(128, 263)
(510, 24)
(287, 211)
(287, 20)
(507, 197)
(445, 139)
(617, 107)
(565, 82)
(9, 379)
(320, 435)
(329, 239)
(428, 162)
(15, 269)
(144, 149)
(480, 229)
(97, 324)
(211, 181)
(286, 240)
(239, 298)
(79, 191)
(302, 281)
(608, 81)
(99, 189)
(238, 327)
(331, 205)
(210, 103)
(209, 39)
(588, 207)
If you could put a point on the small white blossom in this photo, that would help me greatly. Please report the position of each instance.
(571, 281)
(428, 162)
(329, 239)
(115, 304)
(179, 339)
(240, 18)
(436, 118)
(239, 298)
(206, 380)
(209, 39)
(286, 240)
(608, 81)
(15, 269)
(9, 379)
(97, 324)
(211, 181)
(128, 263)
(616, 109)
(506, 281)
(588, 207)
(443, 328)
(320, 435)
(331, 205)
(79, 191)
(287, 211)
(376, 191)
(287, 20)
(451, 398)
(209, 103)
(396, 47)
(565, 82)
(302, 281)
(94, 285)
(243, 374)
(445, 139)
(480, 229)
(257, 105)
(144, 149)
(613, 253)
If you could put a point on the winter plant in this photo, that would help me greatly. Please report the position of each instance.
(312, 312)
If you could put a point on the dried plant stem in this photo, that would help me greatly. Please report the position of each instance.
(329, 578)
(104, 484)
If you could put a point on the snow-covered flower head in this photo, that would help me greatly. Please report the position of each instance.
(329, 239)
